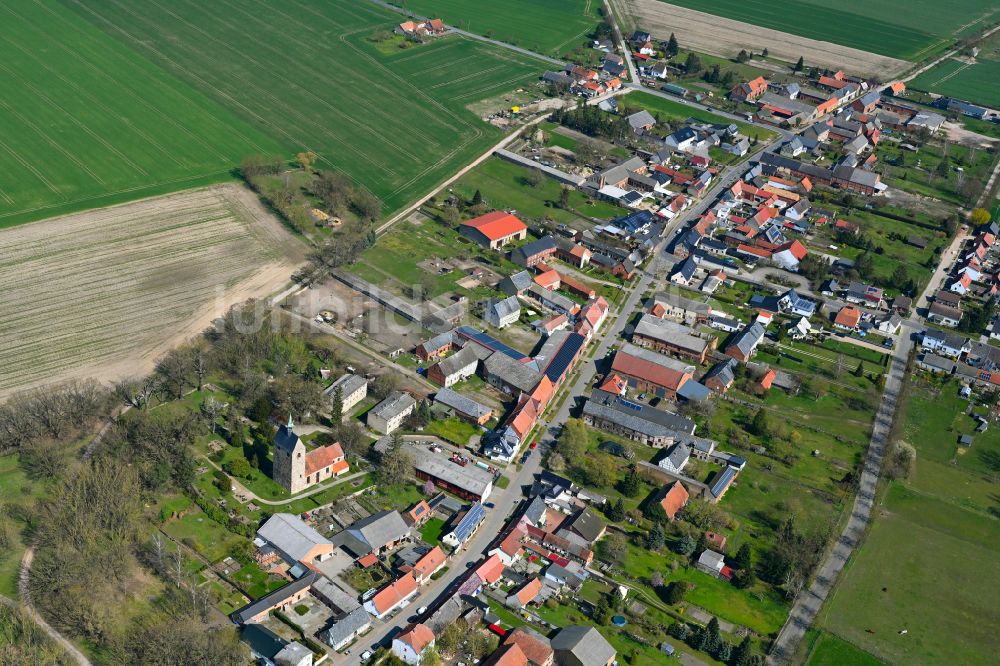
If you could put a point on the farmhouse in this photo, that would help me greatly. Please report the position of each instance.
(533, 253)
(501, 313)
(635, 421)
(749, 91)
(494, 230)
(745, 343)
(645, 372)
(420, 28)
(375, 534)
(678, 308)
(296, 468)
(671, 337)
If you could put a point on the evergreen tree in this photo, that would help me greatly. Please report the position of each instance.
(702, 544)
(799, 65)
(655, 538)
(744, 557)
(743, 578)
(616, 511)
(685, 545)
(672, 46)
(713, 635)
(631, 484)
(337, 406)
(477, 198)
(675, 592)
(743, 654)
(693, 64)
(724, 652)
(760, 425)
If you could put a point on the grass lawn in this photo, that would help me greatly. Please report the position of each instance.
(830, 650)
(545, 26)
(918, 27)
(432, 530)
(16, 489)
(256, 582)
(452, 429)
(127, 103)
(204, 535)
(929, 567)
(675, 111)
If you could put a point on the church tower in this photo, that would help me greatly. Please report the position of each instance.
(289, 467)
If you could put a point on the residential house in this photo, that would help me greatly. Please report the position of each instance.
(745, 343)
(749, 91)
(945, 343)
(376, 533)
(466, 526)
(389, 414)
(524, 594)
(437, 346)
(890, 325)
(501, 313)
(351, 388)
(410, 644)
(453, 369)
(647, 373)
(672, 499)
(343, 632)
(847, 318)
(516, 284)
(945, 315)
(392, 596)
(668, 305)
(676, 459)
(683, 273)
(671, 337)
(533, 253)
(641, 121)
(721, 376)
(711, 563)
(535, 647)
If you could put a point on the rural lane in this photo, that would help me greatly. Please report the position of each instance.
(808, 602)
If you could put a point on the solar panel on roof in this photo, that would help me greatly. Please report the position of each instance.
(631, 405)
(490, 342)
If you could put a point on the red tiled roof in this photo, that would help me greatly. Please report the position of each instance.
(548, 280)
(511, 544)
(614, 384)
(430, 562)
(529, 591)
(496, 225)
(848, 316)
(536, 648)
(508, 654)
(674, 499)
(392, 594)
(648, 371)
(797, 249)
(325, 456)
(367, 561)
(768, 379)
(491, 570)
(756, 251)
(418, 636)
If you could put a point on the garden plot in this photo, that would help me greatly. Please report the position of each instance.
(103, 294)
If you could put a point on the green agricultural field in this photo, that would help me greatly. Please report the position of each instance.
(907, 29)
(976, 82)
(128, 100)
(833, 651)
(544, 26)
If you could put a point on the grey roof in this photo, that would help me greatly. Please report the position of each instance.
(274, 598)
(503, 307)
(678, 301)
(679, 455)
(558, 77)
(692, 390)
(588, 524)
(748, 338)
(518, 282)
(518, 375)
(640, 119)
(586, 645)
(461, 404)
(445, 614)
(469, 522)
(395, 404)
(535, 510)
(349, 625)
(293, 653)
(686, 268)
(670, 332)
(729, 322)
(290, 535)
(947, 338)
(471, 478)
(552, 298)
(348, 384)
(329, 590)
(439, 341)
(460, 360)
(725, 372)
(637, 417)
(544, 244)
(722, 480)
(711, 559)
(942, 310)
(939, 362)
(378, 529)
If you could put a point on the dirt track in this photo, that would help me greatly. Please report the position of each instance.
(105, 293)
(725, 37)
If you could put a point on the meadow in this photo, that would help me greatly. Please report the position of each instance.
(676, 112)
(943, 515)
(917, 27)
(975, 83)
(545, 26)
(127, 100)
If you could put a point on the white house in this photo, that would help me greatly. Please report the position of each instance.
(500, 313)
(410, 645)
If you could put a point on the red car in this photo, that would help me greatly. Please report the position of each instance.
(534, 444)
